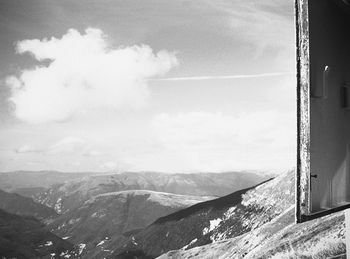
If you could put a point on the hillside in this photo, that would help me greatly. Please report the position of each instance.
(253, 223)
(26, 237)
(280, 238)
(72, 194)
(191, 226)
(24, 206)
(106, 220)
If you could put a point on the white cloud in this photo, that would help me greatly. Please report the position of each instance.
(84, 74)
(214, 141)
(67, 145)
(110, 165)
(91, 153)
(77, 163)
(27, 149)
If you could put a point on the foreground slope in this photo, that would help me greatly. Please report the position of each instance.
(24, 206)
(278, 239)
(72, 194)
(106, 220)
(26, 237)
(274, 233)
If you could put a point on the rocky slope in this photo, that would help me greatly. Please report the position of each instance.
(252, 223)
(106, 220)
(72, 194)
(280, 238)
(24, 206)
(26, 237)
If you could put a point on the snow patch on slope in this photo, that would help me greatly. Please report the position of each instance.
(81, 248)
(213, 224)
(58, 206)
(191, 243)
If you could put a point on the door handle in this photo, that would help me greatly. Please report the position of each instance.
(325, 83)
(320, 90)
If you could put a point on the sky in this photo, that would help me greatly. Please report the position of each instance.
(169, 86)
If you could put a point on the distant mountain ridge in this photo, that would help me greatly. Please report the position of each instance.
(26, 180)
(107, 215)
(69, 195)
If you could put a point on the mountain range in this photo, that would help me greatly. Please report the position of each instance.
(71, 194)
(27, 183)
(150, 215)
(92, 211)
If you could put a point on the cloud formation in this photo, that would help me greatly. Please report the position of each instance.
(110, 165)
(266, 25)
(215, 141)
(82, 73)
(67, 145)
(27, 149)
